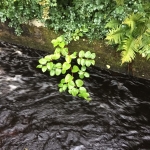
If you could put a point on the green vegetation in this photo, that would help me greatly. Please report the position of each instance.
(73, 73)
(132, 35)
(122, 23)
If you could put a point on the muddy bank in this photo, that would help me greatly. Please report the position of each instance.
(35, 116)
(40, 38)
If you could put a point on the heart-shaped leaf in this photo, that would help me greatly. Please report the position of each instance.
(79, 61)
(48, 57)
(75, 69)
(93, 55)
(88, 54)
(75, 91)
(39, 66)
(58, 71)
(68, 78)
(74, 55)
(66, 66)
(83, 68)
(86, 74)
(50, 65)
(88, 63)
(42, 61)
(44, 68)
(52, 73)
(68, 58)
(81, 53)
(58, 65)
(79, 82)
(62, 44)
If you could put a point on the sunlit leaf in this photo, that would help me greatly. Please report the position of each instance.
(86, 74)
(79, 61)
(88, 54)
(63, 71)
(58, 71)
(57, 50)
(66, 66)
(82, 62)
(52, 73)
(79, 82)
(62, 44)
(50, 65)
(48, 57)
(93, 55)
(83, 68)
(60, 85)
(62, 81)
(64, 51)
(44, 68)
(81, 53)
(64, 87)
(93, 62)
(42, 61)
(74, 91)
(60, 39)
(74, 55)
(68, 59)
(60, 90)
(39, 66)
(88, 63)
(82, 89)
(75, 69)
(56, 56)
(58, 65)
(68, 78)
(71, 85)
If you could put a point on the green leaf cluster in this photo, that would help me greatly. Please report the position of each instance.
(74, 74)
(73, 17)
(132, 35)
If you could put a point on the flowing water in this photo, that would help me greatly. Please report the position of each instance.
(35, 116)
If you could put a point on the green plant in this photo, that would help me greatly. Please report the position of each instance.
(132, 35)
(73, 73)
(68, 16)
(18, 12)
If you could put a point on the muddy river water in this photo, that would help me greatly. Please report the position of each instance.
(35, 116)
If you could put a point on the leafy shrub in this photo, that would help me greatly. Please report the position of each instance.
(73, 74)
(18, 12)
(68, 15)
(132, 35)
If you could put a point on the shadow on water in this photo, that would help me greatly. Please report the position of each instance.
(35, 116)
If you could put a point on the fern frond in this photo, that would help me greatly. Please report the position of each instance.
(133, 20)
(115, 35)
(128, 53)
(112, 24)
(145, 50)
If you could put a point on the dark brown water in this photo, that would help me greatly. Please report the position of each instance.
(35, 116)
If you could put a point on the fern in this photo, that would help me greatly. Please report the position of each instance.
(115, 35)
(132, 20)
(145, 46)
(112, 24)
(132, 36)
(128, 53)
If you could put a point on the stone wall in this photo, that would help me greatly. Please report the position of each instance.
(40, 38)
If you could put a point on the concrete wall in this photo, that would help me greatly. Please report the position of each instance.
(40, 38)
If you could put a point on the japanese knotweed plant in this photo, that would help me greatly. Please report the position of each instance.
(72, 74)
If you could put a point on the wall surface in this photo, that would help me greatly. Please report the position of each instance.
(40, 38)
